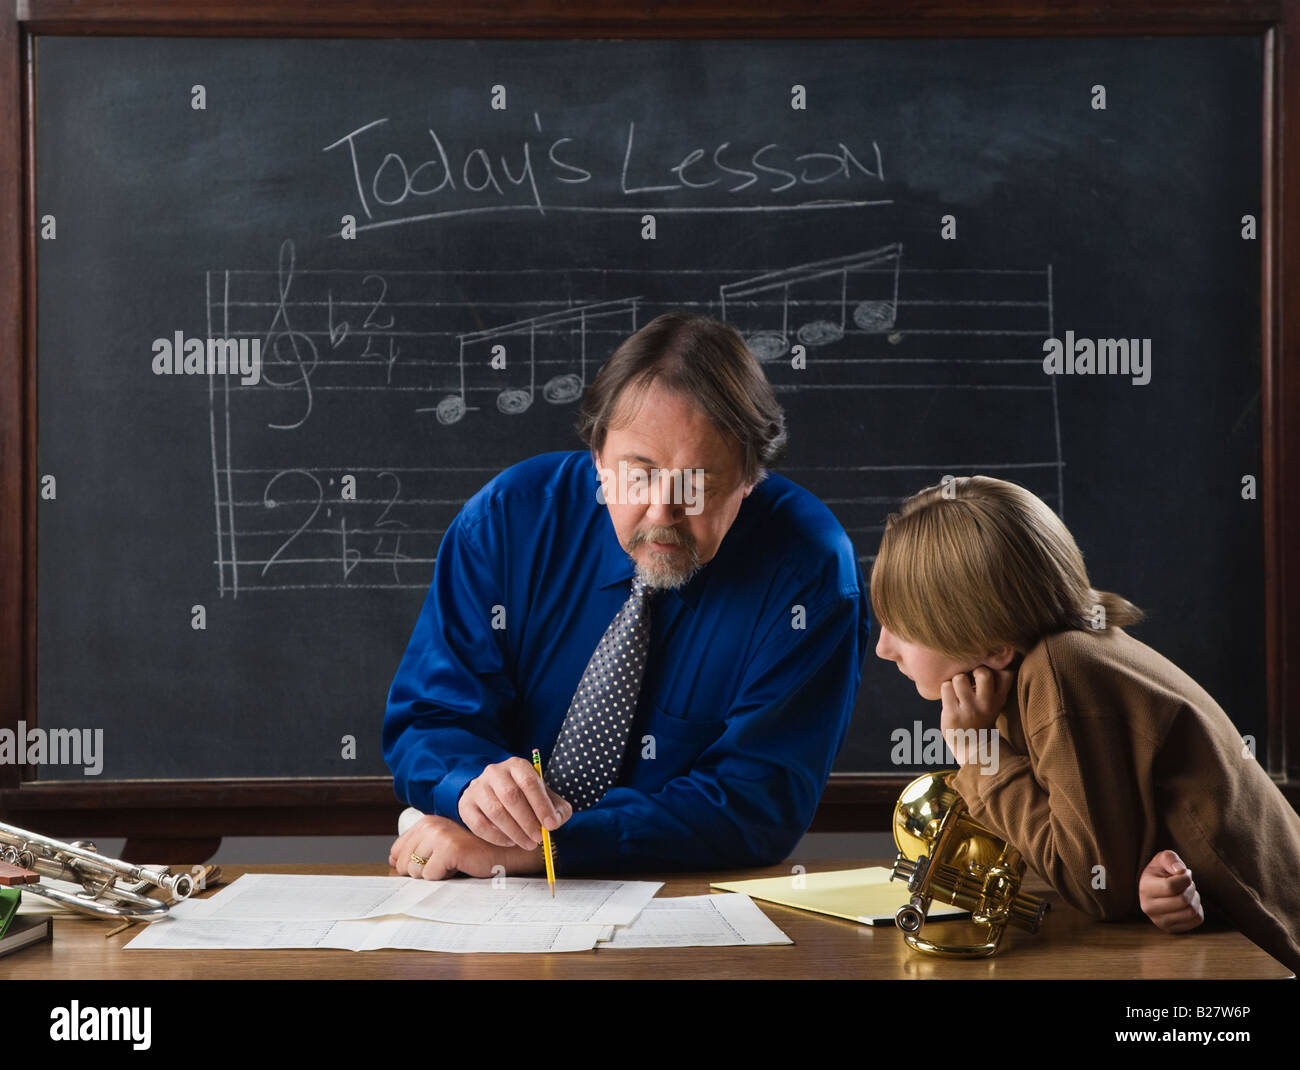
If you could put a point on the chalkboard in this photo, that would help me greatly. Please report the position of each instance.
(916, 219)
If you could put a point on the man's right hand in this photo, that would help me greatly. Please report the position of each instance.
(507, 805)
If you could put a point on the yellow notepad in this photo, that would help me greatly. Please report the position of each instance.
(862, 895)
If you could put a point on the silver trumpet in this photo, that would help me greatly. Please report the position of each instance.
(103, 880)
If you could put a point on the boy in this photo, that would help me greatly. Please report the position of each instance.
(1108, 751)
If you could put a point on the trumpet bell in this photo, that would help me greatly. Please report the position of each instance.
(919, 814)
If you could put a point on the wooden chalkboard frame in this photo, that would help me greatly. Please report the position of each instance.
(182, 819)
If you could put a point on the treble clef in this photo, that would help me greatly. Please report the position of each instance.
(302, 357)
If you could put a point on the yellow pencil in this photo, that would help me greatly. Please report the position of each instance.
(546, 836)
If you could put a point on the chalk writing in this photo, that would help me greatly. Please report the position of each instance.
(400, 175)
(457, 370)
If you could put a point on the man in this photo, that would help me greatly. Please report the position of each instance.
(678, 632)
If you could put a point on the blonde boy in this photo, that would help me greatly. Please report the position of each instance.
(1108, 751)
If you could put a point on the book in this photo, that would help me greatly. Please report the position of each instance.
(26, 930)
(10, 899)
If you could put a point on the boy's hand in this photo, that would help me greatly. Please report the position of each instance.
(1168, 894)
(967, 706)
(977, 706)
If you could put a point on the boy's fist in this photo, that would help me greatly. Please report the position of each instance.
(1168, 894)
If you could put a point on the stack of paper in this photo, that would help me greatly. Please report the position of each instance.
(464, 915)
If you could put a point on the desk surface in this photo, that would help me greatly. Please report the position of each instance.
(1069, 945)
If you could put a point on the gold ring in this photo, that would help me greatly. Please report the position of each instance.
(417, 859)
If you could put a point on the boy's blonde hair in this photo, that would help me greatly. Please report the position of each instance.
(977, 563)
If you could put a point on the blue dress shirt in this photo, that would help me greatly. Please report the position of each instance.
(749, 682)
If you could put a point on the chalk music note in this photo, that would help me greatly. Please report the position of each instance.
(303, 358)
(824, 304)
(552, 333)
(284, 528)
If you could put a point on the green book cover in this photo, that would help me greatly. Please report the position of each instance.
(9, 900)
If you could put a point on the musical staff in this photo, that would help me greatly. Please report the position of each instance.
(420, 386)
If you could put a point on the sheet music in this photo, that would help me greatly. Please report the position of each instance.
(364, 935)
(528, 901)
(463, 901)
(185, 934)
(302, 897)
(723, 920)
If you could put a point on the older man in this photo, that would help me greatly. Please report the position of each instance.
(680, 633)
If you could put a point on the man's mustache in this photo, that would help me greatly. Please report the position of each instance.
(665, 535)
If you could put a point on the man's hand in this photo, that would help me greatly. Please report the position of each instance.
(1168, 894)
(450, 849)
(966, 706)
(507, 805)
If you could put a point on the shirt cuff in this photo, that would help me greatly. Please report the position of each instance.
(446, 796)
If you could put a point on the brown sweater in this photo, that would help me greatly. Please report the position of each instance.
(1108, 754)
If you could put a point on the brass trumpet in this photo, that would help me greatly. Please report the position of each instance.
(947, 855)
(81, 863)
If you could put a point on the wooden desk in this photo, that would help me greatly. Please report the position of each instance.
(1070, 945)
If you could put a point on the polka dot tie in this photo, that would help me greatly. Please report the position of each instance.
(589, 749)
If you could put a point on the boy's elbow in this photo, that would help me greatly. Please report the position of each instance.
(1099, 900)
(1103, 909)
(1095, 882)
(1117, 907)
